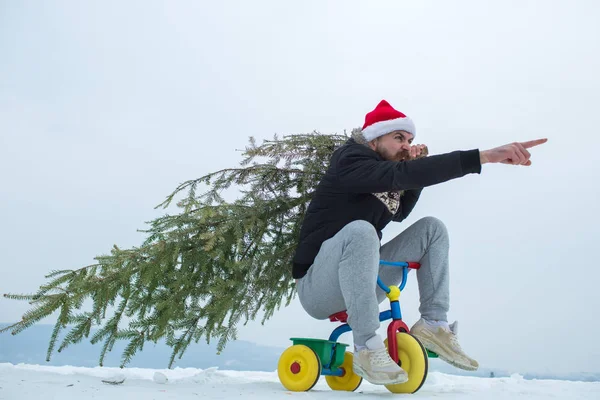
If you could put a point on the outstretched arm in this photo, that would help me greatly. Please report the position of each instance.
(360, 171)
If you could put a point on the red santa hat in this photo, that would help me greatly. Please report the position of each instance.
(385, 119)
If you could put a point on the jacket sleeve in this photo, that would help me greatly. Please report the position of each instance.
(360, 171)
(407, 203)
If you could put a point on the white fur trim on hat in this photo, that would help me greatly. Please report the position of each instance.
(384, 127)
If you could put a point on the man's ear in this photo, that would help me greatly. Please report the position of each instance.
(373, 144)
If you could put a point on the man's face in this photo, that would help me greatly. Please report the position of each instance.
(394, 146)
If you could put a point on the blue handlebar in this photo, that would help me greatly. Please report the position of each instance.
(394, 263)
(404, 266)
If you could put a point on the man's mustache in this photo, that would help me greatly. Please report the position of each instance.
(404, 155)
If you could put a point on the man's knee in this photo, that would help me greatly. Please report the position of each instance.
(434, 225)
(362, 230)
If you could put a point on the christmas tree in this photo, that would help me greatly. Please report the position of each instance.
(200, 272)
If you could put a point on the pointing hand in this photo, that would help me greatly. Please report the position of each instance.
(514, 153)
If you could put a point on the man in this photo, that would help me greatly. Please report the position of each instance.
(373, 179)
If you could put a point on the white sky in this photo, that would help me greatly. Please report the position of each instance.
(105, 108)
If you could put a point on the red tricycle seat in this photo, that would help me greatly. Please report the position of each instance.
(341, 316)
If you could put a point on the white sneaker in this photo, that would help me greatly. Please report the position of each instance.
(374, 364)
(440, 338)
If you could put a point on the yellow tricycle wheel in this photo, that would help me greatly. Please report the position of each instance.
(349, 381)
(412, 357)
(299, 368)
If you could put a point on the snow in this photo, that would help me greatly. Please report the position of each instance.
(27, 381)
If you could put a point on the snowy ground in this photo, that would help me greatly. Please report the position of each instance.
(25, 381)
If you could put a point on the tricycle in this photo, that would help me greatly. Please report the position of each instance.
(301, 365)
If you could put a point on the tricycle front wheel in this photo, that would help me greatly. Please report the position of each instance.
(412, 357)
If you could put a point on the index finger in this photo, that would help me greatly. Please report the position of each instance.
(533, 143)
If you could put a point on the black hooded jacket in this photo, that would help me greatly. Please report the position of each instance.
(360, 185)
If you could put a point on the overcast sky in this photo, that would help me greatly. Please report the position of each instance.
(106, 107)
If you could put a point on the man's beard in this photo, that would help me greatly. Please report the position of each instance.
(387, 155)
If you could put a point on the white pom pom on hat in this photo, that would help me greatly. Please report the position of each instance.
(385, 119)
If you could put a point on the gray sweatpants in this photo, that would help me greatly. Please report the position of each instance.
(344, 274)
